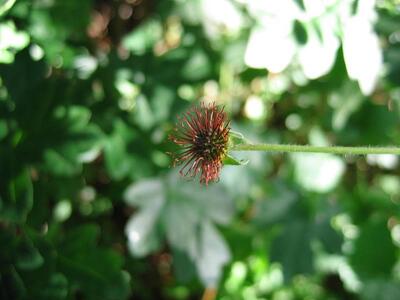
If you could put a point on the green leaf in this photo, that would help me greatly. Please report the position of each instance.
(211, 255)
(25, 77)
(143, 38)
(181, 221)
(189, 217)
(71, 16)
(71, 140)
(161, 99)
(3, 129)
(374, 252)
(95, 270)
(184, 268)
(57, 287)
(16, 194)
(149, 196)
(300, 32)
(380, 289)
(330, 239)
(116, 157)
(212, 202)
(6, 5)
(61, 163)
(39, 280)
(292, 249)
(27, 256)
(143, 114)
(345, 102)
(185, 212)
(142, 192)
(12, 41)
(276, 207)
(197, 66)
(141, 229)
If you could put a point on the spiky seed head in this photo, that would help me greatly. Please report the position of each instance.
(202, 134)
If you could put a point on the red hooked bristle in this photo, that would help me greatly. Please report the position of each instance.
(202, 133)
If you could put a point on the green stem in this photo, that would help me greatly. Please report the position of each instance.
(317, 149)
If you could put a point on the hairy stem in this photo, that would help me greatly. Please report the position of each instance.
(317, 149)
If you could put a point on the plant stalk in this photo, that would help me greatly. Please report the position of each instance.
(317, 149)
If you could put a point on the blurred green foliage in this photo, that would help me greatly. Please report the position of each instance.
(89, 208)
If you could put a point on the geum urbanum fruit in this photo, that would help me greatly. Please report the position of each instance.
(202, 134)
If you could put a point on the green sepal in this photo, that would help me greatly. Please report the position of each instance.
(233, 161)
(236, 138)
